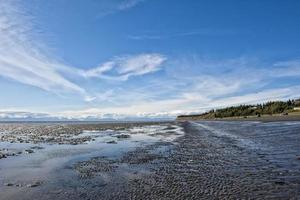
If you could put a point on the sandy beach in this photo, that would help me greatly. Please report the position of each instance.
(168, 160)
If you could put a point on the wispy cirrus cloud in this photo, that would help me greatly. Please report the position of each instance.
(110, 7)
(176, 34)
(287, 68)
(126, 4)
(121, 68)
(169, 108)
(181, 105)
(240, 82)
(22, 58)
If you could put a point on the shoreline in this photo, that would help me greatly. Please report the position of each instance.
(249, 118)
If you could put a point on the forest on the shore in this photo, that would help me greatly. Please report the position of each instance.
(268, 108)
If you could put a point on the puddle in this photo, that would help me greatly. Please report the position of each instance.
(51, 164)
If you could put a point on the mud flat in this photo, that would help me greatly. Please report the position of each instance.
(216, 161)
(62, 161)
(180, 160)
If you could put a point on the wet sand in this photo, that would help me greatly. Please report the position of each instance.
(179, 160)
(210, 163)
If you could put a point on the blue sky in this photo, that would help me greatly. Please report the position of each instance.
(145, 58)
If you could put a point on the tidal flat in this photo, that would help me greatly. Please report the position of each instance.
(157, 160)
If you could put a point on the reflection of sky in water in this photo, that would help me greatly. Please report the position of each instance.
(51, 161)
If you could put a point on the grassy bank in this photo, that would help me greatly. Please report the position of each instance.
(270, 111)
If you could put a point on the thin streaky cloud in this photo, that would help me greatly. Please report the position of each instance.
(172, 108)
(111, 7)
(288, 68)
(127, 66)
(183, 105)
(127, 4)
(160, 36)
(22, 61)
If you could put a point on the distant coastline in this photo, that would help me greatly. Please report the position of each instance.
(271, 118)
(269, 111)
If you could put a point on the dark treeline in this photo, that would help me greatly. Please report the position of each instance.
(269, 108)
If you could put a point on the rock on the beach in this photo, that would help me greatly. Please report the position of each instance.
(35, 184)
(8, 184)
(111, 142)
(123, 136)
(2, 156)
(37, 147)
(28, 151)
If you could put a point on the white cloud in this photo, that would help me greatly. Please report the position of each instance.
(259, 97)
(110, 7)
(127, 4)
(288, 68)
(6, 114)
(184, 105)
(23, 60)
(158, 35)
(121, 68)
(98, 71)
(162, 108)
